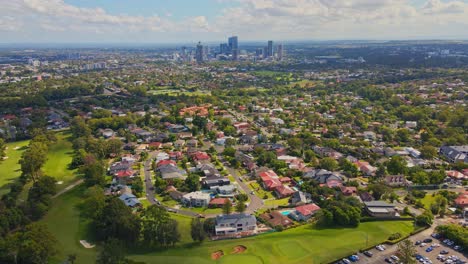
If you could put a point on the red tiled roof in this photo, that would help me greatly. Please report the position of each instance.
(125, 173)
(284, 191)
(307, 209)
(166, 162)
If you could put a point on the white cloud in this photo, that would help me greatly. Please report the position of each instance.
(56, 20)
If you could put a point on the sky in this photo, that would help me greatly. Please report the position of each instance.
(177, 21)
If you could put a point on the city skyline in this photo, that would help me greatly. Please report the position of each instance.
(144, 21)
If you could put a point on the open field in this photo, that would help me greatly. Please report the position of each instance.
(10, 169)
(299, 245)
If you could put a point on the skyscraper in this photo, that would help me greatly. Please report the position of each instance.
(270, 48)
(233, 44)
(199, 53)
(223, 48)
(279, 51)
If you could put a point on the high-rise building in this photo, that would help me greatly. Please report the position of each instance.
(223, 48)
(235, 54)
(270, 48)
(199, 53)
(233, 44)
(265, 52)
(259, 52)
(279, 51)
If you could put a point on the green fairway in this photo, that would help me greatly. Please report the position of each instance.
(303, 244)
(64, 221)
(10, 169)
(300, 245)
(59, 157)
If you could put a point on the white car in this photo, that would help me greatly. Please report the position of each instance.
(422, 245)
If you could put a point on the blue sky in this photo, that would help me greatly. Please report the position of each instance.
(169, 21)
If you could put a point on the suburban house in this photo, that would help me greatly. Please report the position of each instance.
(325, 177)
(381, 209)
(300, 198)
(455, 153)
(209, 170)
(217, 202)
(275, 218)
(130, 200)
(283, 191)
(304, 212)
(224, 190)
(120, 166)
(366, 168)
(170, 171)
(235, 224)
(348, 190)
(196, 199)
(209, 182)
(270, 180)
(462, 200)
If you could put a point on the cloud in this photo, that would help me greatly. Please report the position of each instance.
(56, 20)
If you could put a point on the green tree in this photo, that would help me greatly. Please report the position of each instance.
(240, 207)
(94, 202)
(36, 245)
(197, 232)
(424, 219)
(328, 164)
(428, 152)
(33, 159)
(227, 207)
(113, 252)
(94, 173)
(406, 251)
(158, 228)
(397, 165)
(193, 182)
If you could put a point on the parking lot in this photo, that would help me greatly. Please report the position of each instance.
(381, 256)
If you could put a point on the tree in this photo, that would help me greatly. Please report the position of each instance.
(229, 151)
(424, 219)
(79, 128)
(328, 164)
(397, 165)
(227, 207)
(378, 190)
(240, 207)
(36, 245)
(2, 148)
(197, 231)
(94, 173)
(406, 251)
(113, 252)
(117, 221)
(428, 152)
(193, 182)
(158, 228)
(93, 202)
(33, 159)
(324, 218)
(349, 168)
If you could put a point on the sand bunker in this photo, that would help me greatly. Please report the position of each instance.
(85, 244)
(239, 249)
(217, 254)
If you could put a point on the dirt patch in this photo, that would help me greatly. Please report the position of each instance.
(239, 249)
(217, 254)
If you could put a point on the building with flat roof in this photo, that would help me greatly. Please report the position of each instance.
(381, 209)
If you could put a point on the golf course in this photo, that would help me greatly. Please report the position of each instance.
(304, 244)
(58, 158)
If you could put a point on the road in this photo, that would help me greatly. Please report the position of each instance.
(68, 188)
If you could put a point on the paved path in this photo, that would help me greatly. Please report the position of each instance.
(73, 185)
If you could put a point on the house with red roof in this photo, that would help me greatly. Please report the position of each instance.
(283, 191)
(304, 212)
(200, 156)
(348, 190)
(123, 176)
(155, 145)
(166, 162)
(462, 200)
(217, 202)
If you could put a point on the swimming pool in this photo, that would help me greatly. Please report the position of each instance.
(286, 212)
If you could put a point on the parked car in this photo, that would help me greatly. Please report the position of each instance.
(427, 240)
(353, 258)
(346, 261)
(388, 260)
(444, 252)
(418, 243)
(395, 258)
(429, 249)
(368, 253)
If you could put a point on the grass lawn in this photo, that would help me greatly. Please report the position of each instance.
(303, 244)
(260, 191)
(279, 202)
(204, 210)
(59, 157)
(10, 169)
(428, 200)
(64, 221)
